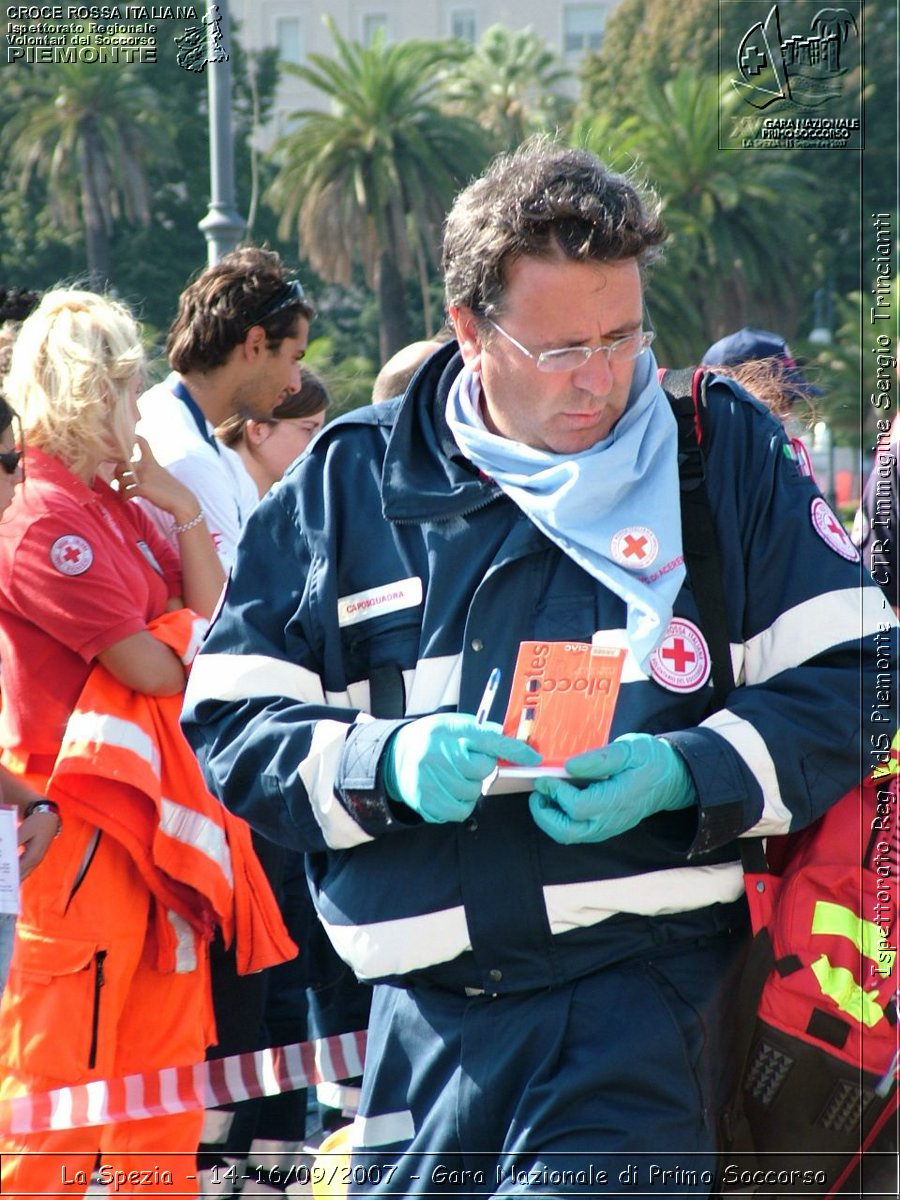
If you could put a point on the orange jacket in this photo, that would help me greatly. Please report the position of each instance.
(125, 766)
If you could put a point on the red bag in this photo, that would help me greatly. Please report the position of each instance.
(818, 1019)
(815, 1037)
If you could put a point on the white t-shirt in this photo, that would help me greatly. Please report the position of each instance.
(213, 472)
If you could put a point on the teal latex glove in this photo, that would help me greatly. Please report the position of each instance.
(636, 775)
(436, 765)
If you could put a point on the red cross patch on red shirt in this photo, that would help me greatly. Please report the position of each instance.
(71, 554)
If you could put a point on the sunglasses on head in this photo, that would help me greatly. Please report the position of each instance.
(9, 460)
(290, 294)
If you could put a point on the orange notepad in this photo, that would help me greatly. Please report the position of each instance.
(561, 702)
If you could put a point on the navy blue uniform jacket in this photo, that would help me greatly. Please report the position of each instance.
(384, 547)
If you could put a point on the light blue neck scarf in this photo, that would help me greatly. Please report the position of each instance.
(613, 509)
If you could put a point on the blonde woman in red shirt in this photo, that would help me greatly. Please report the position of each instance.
(83, 573)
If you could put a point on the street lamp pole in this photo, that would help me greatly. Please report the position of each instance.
(222, 226)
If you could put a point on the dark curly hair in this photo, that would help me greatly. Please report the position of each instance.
(543, 200)
(216, 310)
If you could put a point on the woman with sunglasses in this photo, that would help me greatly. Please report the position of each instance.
(10, 457)
(84, 575)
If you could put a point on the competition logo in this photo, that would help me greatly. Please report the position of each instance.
(71, 554)
(794, 87)
(636, 547)
(805, 70)
(831, 531)
(681, 661)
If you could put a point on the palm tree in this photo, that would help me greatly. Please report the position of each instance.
(741, 224)
(511, 85)
(833, 23)
(88, 134)
(370, 180)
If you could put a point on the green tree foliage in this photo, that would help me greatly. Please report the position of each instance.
(89, 135)
(858, 375)
(348, 377)
(512, 84)
(367, 183)
(151, 259)
(370, 179)
(737, 253)
(656, 39)
(161, 257)
(644, 39)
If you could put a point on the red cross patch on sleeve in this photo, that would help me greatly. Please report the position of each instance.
(71, 554)
(831, 531)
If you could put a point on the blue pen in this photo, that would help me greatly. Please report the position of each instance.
(490, 691)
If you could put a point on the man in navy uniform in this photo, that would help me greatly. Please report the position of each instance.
(548, 965)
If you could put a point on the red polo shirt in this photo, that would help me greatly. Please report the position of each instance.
(80, 569)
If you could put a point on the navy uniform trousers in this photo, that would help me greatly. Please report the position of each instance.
(607, 1085)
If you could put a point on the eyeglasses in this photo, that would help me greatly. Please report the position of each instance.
(9, 460)
(568, 358)
(289, 295)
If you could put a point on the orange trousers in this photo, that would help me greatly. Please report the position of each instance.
(85, 1001)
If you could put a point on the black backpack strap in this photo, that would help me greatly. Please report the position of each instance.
(686, 390)
(387, 693)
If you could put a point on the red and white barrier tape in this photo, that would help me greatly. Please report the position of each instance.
(181, 1089)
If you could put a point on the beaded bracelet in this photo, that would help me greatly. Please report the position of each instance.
(191, 524)
(45, 806)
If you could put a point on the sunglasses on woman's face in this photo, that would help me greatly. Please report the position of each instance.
(9, 460)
